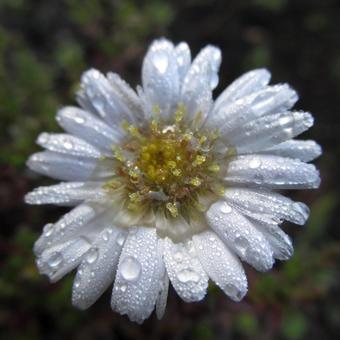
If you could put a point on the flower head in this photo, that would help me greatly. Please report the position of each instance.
(169, 184)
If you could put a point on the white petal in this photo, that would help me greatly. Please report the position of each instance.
(68, 194)
(160, 76)
(305, 150)
(86, 126)
(69, 226)
(270, 130)
(69, 168)
(138, 275)
(259, 203)
(185, 271)
(183, 57)
(163, 296)
(67, 144)
(126, 94)
(279, 241)
(272, 172)
(271, 99)
(57, 261)
(222, 266)
(248, 83)
(98, 268)
(97, 95)
(240, 236)
(200, 80)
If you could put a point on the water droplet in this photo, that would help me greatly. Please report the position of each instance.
(68, 145)
(232, 290)
(130, 268)
(285, 120)
(213, 81)
(161, 62)
(92, 255)
(255, 163)
(76, 282)
(178, 256)
(48, 229)
(120, 239)
(55, 260)
(79, 119)
(187, 275)
(123, 288)
(225, 208)
(241, 243)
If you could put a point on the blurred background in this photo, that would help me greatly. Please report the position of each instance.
(45, 45)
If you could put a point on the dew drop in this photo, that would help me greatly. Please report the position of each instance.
(55, 260)
(92, 255)
(187, 275)
(255, 163)
(130, 269)
(225, 208)
(120, 239)
(284, 120)
(232, 291)
(161, 62)
(48, 229)
(68, 145)
(241, 243)
(178, 256)
(123, 288)
(79, 120)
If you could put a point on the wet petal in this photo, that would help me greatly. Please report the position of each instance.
(163, 296)
(98, 268)
(260, 203)
(69, 168)
(222, 266)
(86, 126)
(248, 83)
(138, 275)
(183, 57)
(269, 100)
(160, 77)
(69, 226)
(272, 172)
(68, 145)
(185, 271)
(240, 235)
(68, 194)
(200, 80)
(279, 241)
(57, 261)
(97, 95)
(270, 130)
(305, 150)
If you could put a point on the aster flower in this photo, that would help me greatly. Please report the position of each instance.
(168, 184)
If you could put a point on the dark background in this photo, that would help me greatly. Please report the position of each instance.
(44, 48)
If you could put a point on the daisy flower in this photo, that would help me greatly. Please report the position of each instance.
(168, 184)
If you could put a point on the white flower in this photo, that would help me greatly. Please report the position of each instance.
(169, 184)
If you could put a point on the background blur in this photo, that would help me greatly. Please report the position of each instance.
(45, 45)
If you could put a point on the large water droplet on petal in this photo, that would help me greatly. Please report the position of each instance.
(120, 239)
(55, 260)
(130, 269)
(241, 244)
(92, 255)
(48, 229)
(232, 291)
(161, 62)
(226, 209)
(255, 163)
(187, 275)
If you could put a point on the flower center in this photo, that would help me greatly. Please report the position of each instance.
(172, 168)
